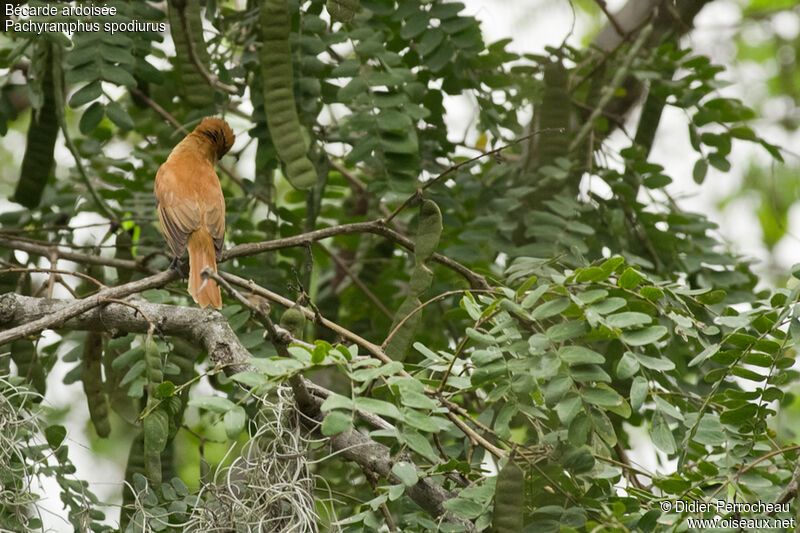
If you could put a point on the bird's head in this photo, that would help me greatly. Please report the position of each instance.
(219, 133)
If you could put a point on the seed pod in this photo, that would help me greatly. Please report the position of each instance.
(278, 86)
(135, 465)
(425, 241)
(509, 499)
(93, 384)
(124, 250)
(29, 366)
(554, 113)
(343, 10)
(38, 161)
(185, 23)
(155, 426)
(294, 321)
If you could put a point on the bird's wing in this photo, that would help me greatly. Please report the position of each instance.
(215, 222)
(178, 211)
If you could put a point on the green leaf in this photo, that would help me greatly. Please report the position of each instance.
(91, 118)
(579, 460)
(406, 473)
(215, 404)
(156, 431)
(430, 41)
(662, 435)
(566, 330)
(551, 308)
(584, 275)
(608, 306)
(700, 170)
(651, 293)
(420, 421)
(249, 378)
(86, 94)
(628, 319)
(119, 116)
(416, 400)
(630, 279)
(532, 297)
(165, 389)
(55, 435)
(640, 337)
(336, 401)
(660, 364)
(377, 407)
(627, 366)
(418, 443)
(592, 296)
(603, 397)
(603, 427)
(336, 422)
(719, 161)
(712, 297)
(705, 354)
(415, 25)
(463, 508)
(580, 355)
(118, 75)
(234, 421)
(639, 390)
(569, 406)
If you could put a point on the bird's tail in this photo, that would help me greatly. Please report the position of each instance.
(201, 254)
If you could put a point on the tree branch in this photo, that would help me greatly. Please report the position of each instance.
(208, 329)
(42, 248)
(376, 227)
(24, 323)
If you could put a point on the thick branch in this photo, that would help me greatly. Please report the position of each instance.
(206, 328)
(58, 313)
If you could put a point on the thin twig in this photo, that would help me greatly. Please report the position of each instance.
(748, 466)
(135, 307)
(372, 348)
(375, 226)
(352, 275)
(611, 88)
(54, 271)
(469, 161)
(604, 8)
(420, 306)
(378, 353)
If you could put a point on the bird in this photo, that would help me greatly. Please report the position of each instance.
(191, 206)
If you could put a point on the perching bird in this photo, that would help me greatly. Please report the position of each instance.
(191, 207)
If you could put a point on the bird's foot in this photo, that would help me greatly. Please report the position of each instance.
(177, 266)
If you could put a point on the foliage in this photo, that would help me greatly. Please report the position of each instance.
(558, 308)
